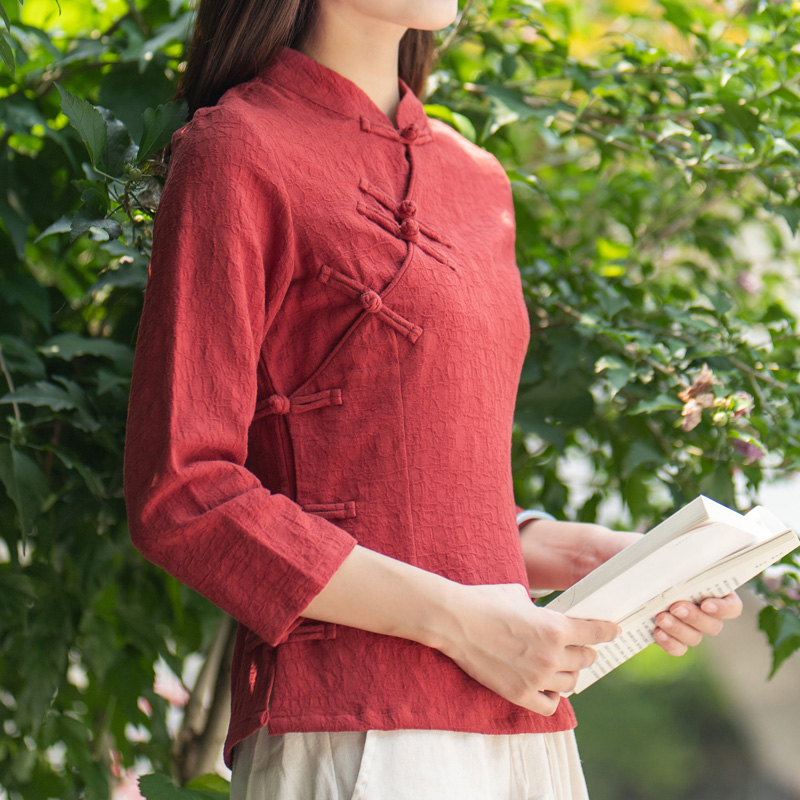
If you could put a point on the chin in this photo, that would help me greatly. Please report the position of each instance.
(425, 15)
(436, 14)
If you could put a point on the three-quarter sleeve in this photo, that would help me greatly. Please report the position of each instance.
(222, 259)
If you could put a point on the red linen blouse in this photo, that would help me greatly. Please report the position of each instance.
(329, 353)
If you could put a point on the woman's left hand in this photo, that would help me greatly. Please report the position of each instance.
(682, 626)
(557, 554)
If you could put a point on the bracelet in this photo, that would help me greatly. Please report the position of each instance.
(525, 516)
(531, 513)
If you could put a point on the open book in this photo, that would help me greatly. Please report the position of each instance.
(703, 550)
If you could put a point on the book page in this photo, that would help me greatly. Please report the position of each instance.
(719, 580)
(700, 511)
(637, 633)
(673, 563)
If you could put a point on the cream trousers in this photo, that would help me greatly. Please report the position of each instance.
(407, 765)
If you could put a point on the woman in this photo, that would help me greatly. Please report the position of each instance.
(320, 421)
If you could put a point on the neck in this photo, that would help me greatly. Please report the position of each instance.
(364, 51)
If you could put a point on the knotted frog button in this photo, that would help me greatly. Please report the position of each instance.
(371, 301)
(410, 132)
(409, 230)
(406, 209)
(278, 404)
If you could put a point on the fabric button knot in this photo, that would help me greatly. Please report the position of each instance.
(371, 301)
(278, 403)
(406, 209)
(410, 132)
(409, 230)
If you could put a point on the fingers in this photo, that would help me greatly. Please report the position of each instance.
(728, 607)
(578, 658)
(670, 644)
(688, 634)
(708, 616)
(545, 703)
(585, 631)
(685, 623)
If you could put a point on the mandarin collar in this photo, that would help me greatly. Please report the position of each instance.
(320, 84)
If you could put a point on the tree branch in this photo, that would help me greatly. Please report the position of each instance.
(205, 720)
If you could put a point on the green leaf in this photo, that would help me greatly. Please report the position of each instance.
(24, 482)
(639, 454)
(662, 402)
(69, 345)
(565, 400)
(84, 419)
(61, 225)
(119, 149)
(742, 117)
(6, 52)
(4, 15)
(87, 120)
(460, 122)
(92, 214)
(21, 358)
(158, 125)
(507, 107)
(782, 627)
(212, 783)
(41, 393)
(160, 787)
(791, 213)
(722, 302)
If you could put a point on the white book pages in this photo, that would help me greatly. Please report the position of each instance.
(717, 581)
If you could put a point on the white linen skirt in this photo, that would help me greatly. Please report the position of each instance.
(407, 765)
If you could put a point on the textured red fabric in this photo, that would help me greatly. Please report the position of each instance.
(332, 338)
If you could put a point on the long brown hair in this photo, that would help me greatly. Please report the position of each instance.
(235, 39)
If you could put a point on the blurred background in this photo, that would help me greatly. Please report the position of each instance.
(652, 148)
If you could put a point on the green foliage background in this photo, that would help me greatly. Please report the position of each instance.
(644, 140)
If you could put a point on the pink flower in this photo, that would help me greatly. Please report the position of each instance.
(752, 452)
(144, 706)
(128, 787)
(697, 397)
(169, 686)
(751, 283)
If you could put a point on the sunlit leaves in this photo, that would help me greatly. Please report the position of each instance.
(6, 51)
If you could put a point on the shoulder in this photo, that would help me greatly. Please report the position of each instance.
(225, 145)
(469, 157)
(226, 128)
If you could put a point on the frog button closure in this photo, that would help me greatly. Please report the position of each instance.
(298, 403)
(409, 230)
(278, 404)
(403, 222)
(406, 209)
(371, 300)
(410, 132)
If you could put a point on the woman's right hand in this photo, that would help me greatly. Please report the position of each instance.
(524, 653)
